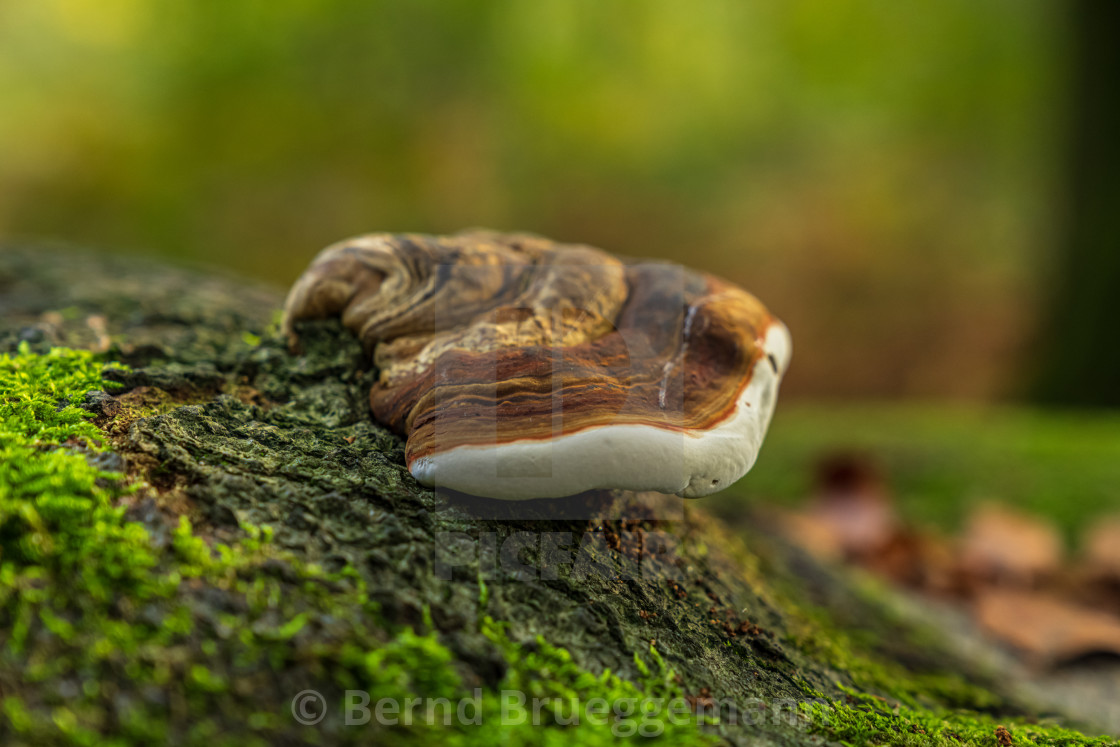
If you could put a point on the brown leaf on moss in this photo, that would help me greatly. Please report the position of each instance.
(809, 532)
(1045, 627)
(1101, 548)
(1001, 544)
(851, 514)
(852, 499)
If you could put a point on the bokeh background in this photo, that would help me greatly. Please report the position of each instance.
(884, 177)
(899, 183)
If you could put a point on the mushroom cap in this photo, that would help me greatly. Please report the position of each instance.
(519, 367)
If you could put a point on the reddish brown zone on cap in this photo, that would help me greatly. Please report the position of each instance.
(473, 399)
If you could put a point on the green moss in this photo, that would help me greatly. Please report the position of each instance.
(142, 632)
(938, 701)
(52, 499)
(851, 653)
(546, 674)
(854, 652)
(867, 720)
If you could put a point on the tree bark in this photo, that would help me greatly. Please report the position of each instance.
(1079, 355)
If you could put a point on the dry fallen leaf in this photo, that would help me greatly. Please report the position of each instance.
(919, 560)
(812, 534)
(851, 500)
(1009, 564)
(1045, 627)
(1102, 548)
(1004, 545)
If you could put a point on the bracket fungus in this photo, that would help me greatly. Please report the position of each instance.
(519, 367)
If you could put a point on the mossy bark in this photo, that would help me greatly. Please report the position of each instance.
(220, 423)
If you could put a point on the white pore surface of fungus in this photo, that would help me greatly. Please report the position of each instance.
(690, 463)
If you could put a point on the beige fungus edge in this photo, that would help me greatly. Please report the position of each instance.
(630, 457)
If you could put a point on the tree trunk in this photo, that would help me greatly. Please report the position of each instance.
(1079, 355)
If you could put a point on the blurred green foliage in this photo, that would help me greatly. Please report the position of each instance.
(941, 462)
(878, 172)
